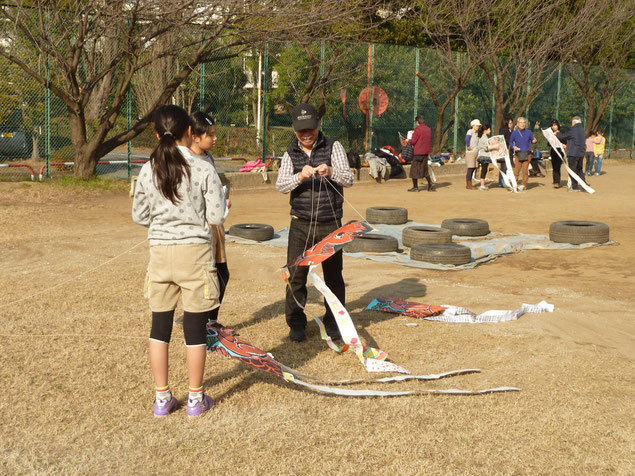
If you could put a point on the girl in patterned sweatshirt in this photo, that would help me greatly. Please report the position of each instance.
(177, 197)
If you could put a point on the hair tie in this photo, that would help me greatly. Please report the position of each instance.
(209, 122)
(168, 133)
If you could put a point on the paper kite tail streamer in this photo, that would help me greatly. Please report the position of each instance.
(227, 345)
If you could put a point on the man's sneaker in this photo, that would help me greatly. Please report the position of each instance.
(414, 189)
(597, 175)
(163, 408)
(522, 187)
(573, 190)
(333, 332)
(197, 408)
(297, 334)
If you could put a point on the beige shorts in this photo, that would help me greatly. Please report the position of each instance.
(188, 271)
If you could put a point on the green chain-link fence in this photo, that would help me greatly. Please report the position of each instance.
(250, 96)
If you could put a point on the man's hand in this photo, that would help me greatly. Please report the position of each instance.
(306, 173)
(534, 141)
(323, 170)
(516, 148)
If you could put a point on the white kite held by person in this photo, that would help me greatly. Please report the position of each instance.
(555, 144)
(502, 153)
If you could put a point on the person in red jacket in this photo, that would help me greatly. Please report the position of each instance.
(421, 140)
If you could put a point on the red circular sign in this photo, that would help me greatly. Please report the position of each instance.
(380, 100)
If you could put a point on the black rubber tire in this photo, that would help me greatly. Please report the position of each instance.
(372, 243)
(252, 231)
(413, 235)
(387, 215)
(443, 253)
(577, 232)
(466, 226)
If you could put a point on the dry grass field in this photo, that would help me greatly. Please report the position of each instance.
(76, 389)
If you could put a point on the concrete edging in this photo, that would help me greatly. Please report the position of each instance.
(255, 181)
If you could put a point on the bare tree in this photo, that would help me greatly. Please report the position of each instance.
(449, 69)
(599, 60)
(514, 42)
(74, 34)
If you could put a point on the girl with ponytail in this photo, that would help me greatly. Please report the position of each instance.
(178, 198)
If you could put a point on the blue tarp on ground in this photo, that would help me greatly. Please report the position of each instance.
(484, 248)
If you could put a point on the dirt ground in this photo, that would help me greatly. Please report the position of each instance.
(77, 389)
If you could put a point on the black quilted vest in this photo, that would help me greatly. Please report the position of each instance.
(325, 202)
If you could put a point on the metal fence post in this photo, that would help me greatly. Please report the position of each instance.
(201, 94)
(416, 97)
(129, 122)
(610, 128)
(528, 90)
(322, 47)
(632, 144)
(265, 90)
(494, 101)
(558, 92)
(371, 105)
(456, 113)
(47, 119)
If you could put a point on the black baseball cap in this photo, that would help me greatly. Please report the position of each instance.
(304, 116)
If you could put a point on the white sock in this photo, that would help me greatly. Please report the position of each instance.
(165, 395)
(196, 395)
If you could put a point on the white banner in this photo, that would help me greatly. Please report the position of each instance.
(555, 143)
(503, 154)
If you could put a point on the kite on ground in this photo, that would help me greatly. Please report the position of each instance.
(446, 313)
(229, 345)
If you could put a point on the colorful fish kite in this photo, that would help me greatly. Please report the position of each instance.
(446, 313)
(220, 342)
(405, 308)
(331, 243)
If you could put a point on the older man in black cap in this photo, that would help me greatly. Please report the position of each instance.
(314, 169)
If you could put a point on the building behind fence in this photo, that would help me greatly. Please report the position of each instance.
(250, 96)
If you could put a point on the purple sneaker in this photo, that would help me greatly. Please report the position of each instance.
(163, 408)
(196, 408)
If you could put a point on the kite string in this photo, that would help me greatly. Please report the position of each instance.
(347, 202)
(74, 277)
(112, 336)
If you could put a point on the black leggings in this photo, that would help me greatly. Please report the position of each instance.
(470, 173)
(194, 327)
(484, 167)
(223, 278)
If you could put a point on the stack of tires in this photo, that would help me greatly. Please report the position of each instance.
(434, 245)
(376, 242)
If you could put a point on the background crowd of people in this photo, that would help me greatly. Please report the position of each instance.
(584, 153)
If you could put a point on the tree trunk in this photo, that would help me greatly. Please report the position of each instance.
(35, 152)
(499, 113)
(590, 117)
(437, 142)
(85, 155)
